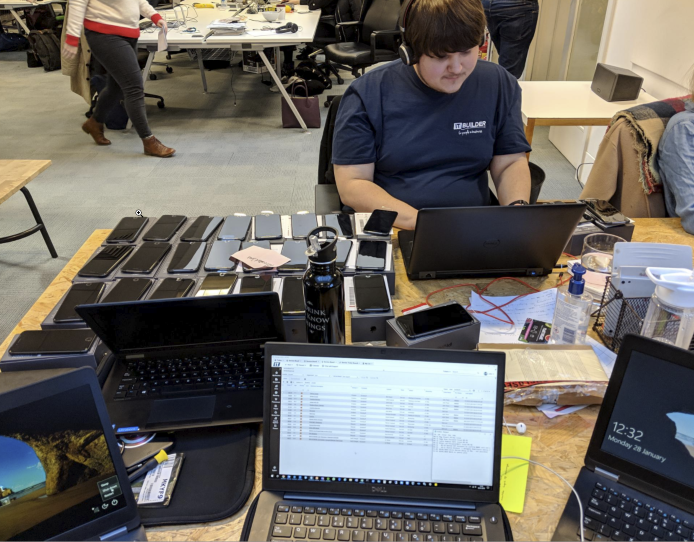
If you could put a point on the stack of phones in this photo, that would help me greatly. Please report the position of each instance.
(604, 213)
(105, 262)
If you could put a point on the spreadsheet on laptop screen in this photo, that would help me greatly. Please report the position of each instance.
(387, 421)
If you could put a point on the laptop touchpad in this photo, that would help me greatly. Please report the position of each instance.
(182, 410)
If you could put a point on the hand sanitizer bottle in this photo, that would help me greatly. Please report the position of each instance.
(572, 313)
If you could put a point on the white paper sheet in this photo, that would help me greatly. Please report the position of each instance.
(162, 45)
(552, 411)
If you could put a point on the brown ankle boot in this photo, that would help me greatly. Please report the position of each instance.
(96, 130)
(154, 147)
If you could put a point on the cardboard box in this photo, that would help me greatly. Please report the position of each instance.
(370, 326)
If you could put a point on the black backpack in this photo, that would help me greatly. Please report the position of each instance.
(46, 47)
(308, 71)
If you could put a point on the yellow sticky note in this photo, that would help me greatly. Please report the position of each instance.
(514, 473)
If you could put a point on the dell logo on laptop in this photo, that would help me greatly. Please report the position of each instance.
(379, 489)
(490, 243)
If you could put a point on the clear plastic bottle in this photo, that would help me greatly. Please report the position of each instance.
(670, 316)
(572, 313)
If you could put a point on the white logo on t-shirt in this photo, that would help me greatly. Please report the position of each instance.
(465, 128)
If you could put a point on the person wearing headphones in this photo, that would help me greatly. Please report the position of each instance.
(423, 131)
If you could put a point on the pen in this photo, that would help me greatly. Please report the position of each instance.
(151, 464)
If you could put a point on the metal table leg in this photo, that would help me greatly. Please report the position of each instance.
(202, 71)
(148, 67)
(19, 20)
(278, 82)
(39, 226)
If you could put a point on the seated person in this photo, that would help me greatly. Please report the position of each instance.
(424, 135)
(676, 165)
(324, 30)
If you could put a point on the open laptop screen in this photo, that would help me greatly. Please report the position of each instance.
(56, 471)
(383, 422)
(652, 422)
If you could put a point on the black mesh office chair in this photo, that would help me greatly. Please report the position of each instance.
(376, 40)
(327, 199)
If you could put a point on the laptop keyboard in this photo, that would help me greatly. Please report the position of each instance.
(298, 522)
(171, 377)
(613, 515)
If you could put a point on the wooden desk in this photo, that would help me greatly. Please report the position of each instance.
(559, 443)
(14, 176)
(568, 103)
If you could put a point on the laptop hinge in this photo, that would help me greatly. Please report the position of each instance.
(375, 501)
(606, 474)
(114, 534)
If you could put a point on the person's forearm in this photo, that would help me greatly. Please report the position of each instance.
(365, 197)
(75, 21)
(513, 182)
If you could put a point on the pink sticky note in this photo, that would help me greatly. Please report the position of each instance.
(257, 257)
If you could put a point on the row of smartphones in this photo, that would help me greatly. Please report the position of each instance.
(187, 257)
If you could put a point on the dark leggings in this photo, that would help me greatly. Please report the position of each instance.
(118, 56)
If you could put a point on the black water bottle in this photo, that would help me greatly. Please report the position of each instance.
(323, 290)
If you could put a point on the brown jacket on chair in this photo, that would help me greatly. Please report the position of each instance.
(77, 68)
(615, 176)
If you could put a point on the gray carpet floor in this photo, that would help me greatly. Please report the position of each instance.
(231, 157)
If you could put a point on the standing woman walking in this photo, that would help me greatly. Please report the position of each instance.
(112, 28)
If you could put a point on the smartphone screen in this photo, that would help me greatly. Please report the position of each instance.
(186, 258)
(127, 230)
(103, 264)
(372, 255)
(82, 293)
(202, 228)
(342, 222)
(293, 296)
(53, 341)
(605, 212)
(303, 224)
(164, 228)
(172, 288)
(380, 222)
(296, 250)
(127, 290)
(344, 247)
(434, 320)
(370, 293)
(256, 283)
(217, 284)
(268, 227)
(218, 258)
(235, 227)
(146, 257)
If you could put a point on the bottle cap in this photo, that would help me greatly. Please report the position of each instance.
(577, 284)
(322, 251)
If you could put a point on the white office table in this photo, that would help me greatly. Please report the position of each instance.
(177, 39)
(14, 5)
(568, 103)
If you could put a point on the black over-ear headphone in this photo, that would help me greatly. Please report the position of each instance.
(289, 27)
(405, 51)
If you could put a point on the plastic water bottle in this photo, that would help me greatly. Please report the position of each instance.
(670, 316)
(223, 5)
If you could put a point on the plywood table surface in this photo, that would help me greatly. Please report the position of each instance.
(560, 443)
(15, 174)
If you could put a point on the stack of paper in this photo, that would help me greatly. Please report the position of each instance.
(228, 27)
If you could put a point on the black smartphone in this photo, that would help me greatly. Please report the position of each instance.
(604, 212)
(218, 258)
(217, 284)
(434, 320)
(268, 227)
(172, 288)
(246, 244)
(296, 251)
(201, 229)
(81, 293)
(235, 227)
(103, 264)
(164, 228)
(146, 257)
(293, 296)
(372, 255)
(370, 293)
(256, 283)
(130, 289)
(186, 258)
(380, 222)
(53, 341)
(344, 247)
(303, 224)
(342, 222)
(127, 230)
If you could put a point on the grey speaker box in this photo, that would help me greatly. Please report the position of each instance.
(615, 84)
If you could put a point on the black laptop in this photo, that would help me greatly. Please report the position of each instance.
(523, 240)
(189, 362)
(638, 479)
(61, 473)
(364, 443)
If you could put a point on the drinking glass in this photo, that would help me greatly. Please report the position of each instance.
(598, 251)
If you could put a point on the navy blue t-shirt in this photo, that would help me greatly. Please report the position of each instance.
(430, 149)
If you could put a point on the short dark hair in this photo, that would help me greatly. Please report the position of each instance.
(439, 27)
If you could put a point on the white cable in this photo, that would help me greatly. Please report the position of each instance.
(580, 506)
(506, 426)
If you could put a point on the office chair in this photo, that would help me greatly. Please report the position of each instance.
(327, 199)
(376, 38)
